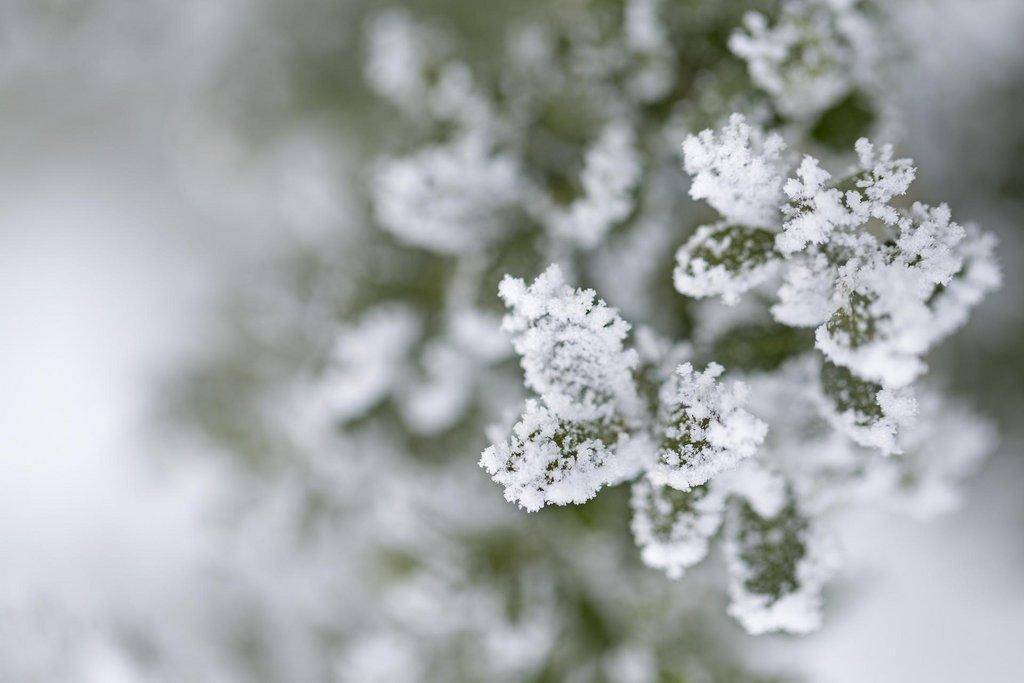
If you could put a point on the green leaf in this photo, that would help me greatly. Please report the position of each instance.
(845, 122)
(771, 549)
(848, 393)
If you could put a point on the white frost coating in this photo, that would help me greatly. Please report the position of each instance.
(673, 528)
(452, 199)
(797, 611)
(367, 360)
(805, 296)
(700, 272)
(706, 430)
(979, 276)
(550, 460)
(816, 210)
(611, 171)
(577, 438)
(571, 347)
(891, 325)
(899, 408)
(815, 53)
(739, 172)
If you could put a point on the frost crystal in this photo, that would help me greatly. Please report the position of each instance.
(739, 172)
(705, 428)
(817, 209)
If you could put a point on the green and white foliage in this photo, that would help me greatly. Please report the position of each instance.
(703, 427)
(674, 528)
(778, 563)
(590, 426)
(811, 55)
(871, 276)
(578, 437)
(833, 408)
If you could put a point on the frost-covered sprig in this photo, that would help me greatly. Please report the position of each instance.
(590, 426)
(574, 129)
(738, 171)
(576, 439)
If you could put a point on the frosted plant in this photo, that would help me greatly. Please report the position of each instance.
(356, 402)
(868, 275)
(592, 429)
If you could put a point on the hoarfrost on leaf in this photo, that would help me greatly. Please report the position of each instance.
(725, 260)
(778, 566)
(705, 429)
(738, 171)
(571, 346)
(673, 528)
(578, 437)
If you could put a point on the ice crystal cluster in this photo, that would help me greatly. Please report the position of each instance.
(567, 258)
